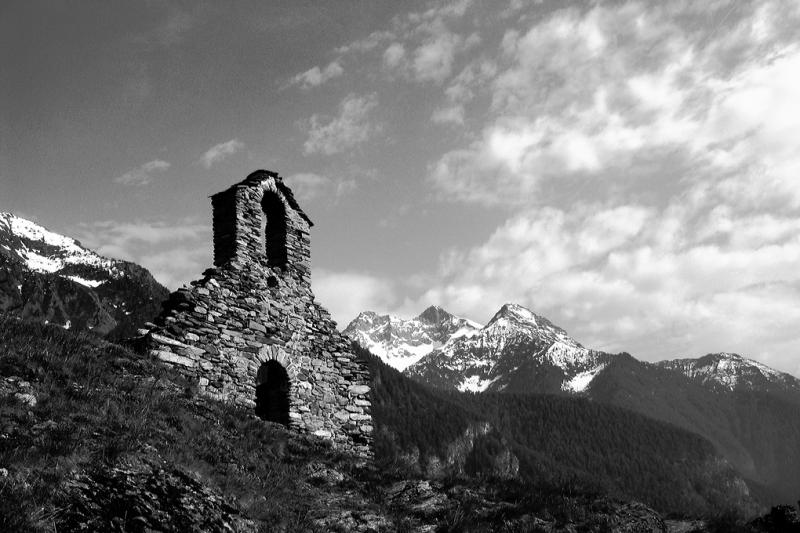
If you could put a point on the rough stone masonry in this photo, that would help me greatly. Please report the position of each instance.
(250, 330)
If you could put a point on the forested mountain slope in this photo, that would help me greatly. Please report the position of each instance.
(757, 431)
(561, 440)
(52, 278)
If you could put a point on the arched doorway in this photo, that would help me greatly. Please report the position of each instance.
(274, 229)
(272, 393)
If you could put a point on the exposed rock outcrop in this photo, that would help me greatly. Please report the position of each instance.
(147, 499)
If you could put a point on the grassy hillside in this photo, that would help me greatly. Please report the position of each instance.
(93, 413)
(94, 437)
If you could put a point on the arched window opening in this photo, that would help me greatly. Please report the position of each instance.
(272, 393)
(274, 229)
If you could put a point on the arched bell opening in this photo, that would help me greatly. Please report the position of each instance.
(273, 225)
(272, 393)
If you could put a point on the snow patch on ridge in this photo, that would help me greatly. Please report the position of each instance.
(581, 381)
(407, 356)
(566, 355)
(86, 282)
(40, 263)
(398, 357)
(474, 383)
(467, 332)
(734, 363)
(44, 251)
(29, 230)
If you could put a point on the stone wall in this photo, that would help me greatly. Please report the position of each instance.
(256, 305)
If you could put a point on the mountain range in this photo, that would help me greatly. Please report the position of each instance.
(730, 371)
(556, 440)
(51, 278)
(750, 412)
(400, 343)
(519, 351)
(515, 351)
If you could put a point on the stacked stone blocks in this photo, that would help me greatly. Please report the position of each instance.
(256, 305)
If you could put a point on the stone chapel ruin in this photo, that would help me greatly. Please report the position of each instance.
(250, 330)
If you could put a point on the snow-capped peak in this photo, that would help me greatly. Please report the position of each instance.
(402, 342)
(32, 231)
(516, 342)
(52, 278)
(44, 251)
(733, 372)
(434, 315)
(515, 312)
(514, 319)
(365, 317)
(450, 351)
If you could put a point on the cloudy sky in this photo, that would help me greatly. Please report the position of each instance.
(630, 170)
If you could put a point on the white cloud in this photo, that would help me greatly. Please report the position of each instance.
(315, 76)
(176, 266)
(367, 44)
(102, 232)
(221, 151)
(464, 87)
(394, 56)
(308, 186)
(753, 127)
(345, 131)
(346, 294)
(591, 94)
(143, 174)
(421, 46)
(174, 253)
(433, 60)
